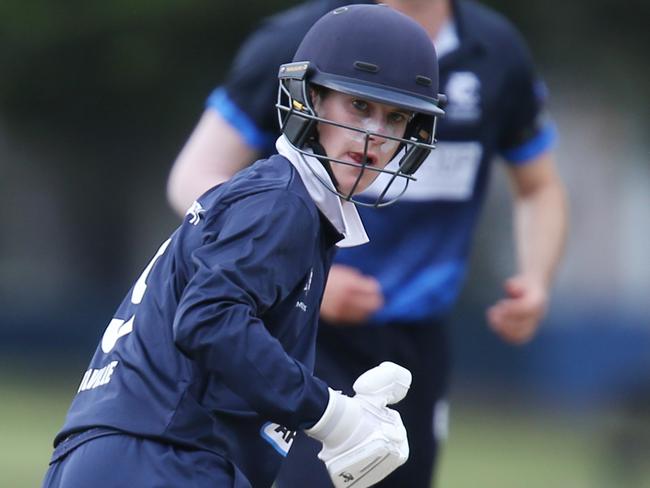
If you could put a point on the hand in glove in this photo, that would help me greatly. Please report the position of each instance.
(363, 440)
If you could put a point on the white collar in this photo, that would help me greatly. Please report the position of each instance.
(342, 214)
(447, 39)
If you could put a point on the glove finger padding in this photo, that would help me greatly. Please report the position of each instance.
(385, 384)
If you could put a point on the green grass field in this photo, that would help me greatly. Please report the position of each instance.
(488, 447)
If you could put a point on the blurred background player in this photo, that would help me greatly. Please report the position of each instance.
(205, 372)
(391, 298)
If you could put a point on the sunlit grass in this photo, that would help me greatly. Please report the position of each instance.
(31, 412)
(492, 449)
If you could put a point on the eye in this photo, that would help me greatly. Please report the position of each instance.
(397, 117)
(360, 105)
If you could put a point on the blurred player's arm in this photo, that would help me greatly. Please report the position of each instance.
(214, 152)
(239, 124)
(350, 297)
(540, 219)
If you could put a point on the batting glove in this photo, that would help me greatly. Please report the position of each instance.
(363, 440)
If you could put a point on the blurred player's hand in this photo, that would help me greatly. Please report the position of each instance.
(516, 317)
(350, 297)
(363, 440)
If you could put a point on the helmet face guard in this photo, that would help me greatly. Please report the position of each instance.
(298, 120)
(376, 54)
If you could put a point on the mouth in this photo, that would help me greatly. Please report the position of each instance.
(357, 157)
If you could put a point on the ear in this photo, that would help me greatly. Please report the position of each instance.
(315, 98)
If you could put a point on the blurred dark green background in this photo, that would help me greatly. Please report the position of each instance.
(96, 100)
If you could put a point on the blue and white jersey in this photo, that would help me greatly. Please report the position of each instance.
(419, 246)
(213, 347)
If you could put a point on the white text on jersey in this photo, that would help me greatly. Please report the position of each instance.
(94, 378)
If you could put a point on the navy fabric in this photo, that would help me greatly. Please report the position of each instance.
(215, 341)
(344, 353)
(116, 460)
(532, 147)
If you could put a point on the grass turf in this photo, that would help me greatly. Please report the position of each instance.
(488, 448)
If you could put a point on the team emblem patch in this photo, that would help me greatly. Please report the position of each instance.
(463, 91)
(196, 212)
(278, 436)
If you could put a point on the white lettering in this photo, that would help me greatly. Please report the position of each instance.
(94, 378)
(93, 382)
(449, 173)
(84, 380)
(278, 436)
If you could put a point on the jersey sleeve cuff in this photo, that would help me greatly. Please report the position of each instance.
(544, 140)
(240, 120)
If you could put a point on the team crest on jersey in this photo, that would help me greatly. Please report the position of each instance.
(278, 436)
(196, 212)
(463, 91)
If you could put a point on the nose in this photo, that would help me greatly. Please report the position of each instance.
(374, 140)
(376, 129)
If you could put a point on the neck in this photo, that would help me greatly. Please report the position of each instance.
(430, 14)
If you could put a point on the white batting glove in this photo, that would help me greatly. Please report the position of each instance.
(363, 440)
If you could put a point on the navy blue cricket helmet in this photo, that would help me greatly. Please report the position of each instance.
(377, 54)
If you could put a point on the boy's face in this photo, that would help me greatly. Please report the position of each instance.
(347, 145)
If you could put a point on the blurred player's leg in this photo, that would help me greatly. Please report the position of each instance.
(343, 354)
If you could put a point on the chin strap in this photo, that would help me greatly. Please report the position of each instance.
(319, 153)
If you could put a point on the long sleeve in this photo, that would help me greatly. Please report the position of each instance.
(263, 251)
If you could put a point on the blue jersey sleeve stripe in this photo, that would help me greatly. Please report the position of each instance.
(254, 137)
(539, 144)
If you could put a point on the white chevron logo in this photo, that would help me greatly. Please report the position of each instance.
(116, 329)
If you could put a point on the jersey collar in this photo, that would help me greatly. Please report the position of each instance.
(467, 17)
(342, 214)
(447, 39)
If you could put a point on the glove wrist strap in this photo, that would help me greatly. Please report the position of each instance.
(331, 417)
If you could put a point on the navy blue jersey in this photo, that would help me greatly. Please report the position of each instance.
(419, 246)
(213, 347)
